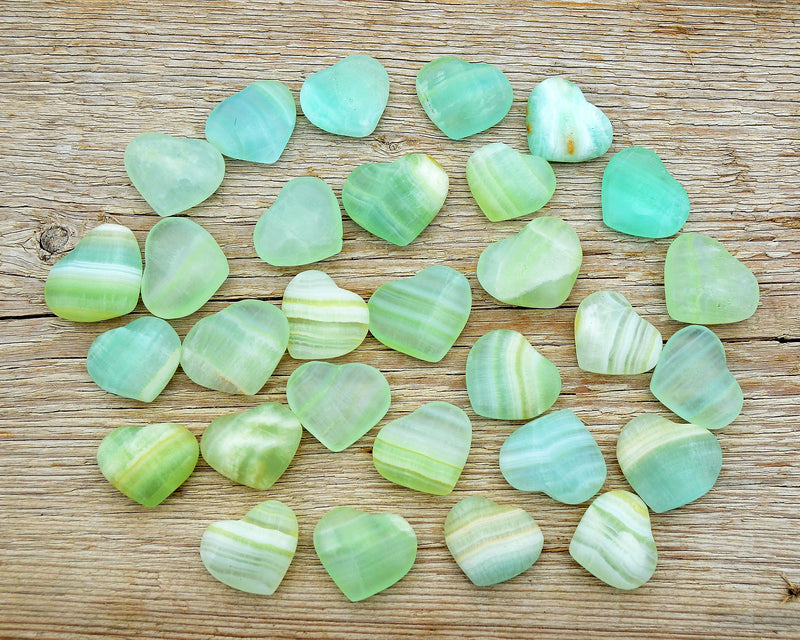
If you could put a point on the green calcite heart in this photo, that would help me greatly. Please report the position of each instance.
(254, 553)
(704, 284)
(563, 126)
(421, 316)
(173, 174)
(337, 404)
(639, 196)
(668, 464)
(99, 279)
(183, 268)
(364, 553)
(554, 454)
(535, 268)
(614, 542)
(425, 450)
(347, 98)
(136, 360)
(490, 542)
(611, 338)
(463, 98)
(324, 320)
(254, 124)
(148, 463)
(304, 225)
(237, 349)
(396, 200)
(508, 379)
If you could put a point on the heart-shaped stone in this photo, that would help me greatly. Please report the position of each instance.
(535, 268)
(136, 360)
(640, 197)
(183, 268)
(254, 553)
(563, 126)
(148, 463)
(337, 404)
(692, 379)
(99, 279)
(668, 464)
(611, 338)
(347, 98)
(508, 379)
(237, 349)
(425, 450)
(364, 553)
(490, 542)
(173, 174)
(421, 316)
(463, 98)
(254, 124)
(554, 454)
(705, 284)
(396, 200)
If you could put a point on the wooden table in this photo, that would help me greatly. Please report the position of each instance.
(712, 87)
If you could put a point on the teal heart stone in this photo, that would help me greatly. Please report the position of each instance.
(173, 174)
(563, 126)
(136, 360)
(347, 98)
(463, 98)
(396, 200)
(237, 349)
(254, 124)
(304, 225)
(705, 284)
(421, 316)
(639, 196)
(535, 268)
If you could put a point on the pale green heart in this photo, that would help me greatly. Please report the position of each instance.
(136, 360)
(173, 174)
(99, 279)
(491, 543)
(535, 268)
(254, 553)
(364, 553)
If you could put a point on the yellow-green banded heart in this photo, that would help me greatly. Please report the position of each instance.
(425, 450)
(254, 553)
(148, 463)
(237, 349)
(253, 447)
(668, 464)
(364, 553)
(614, 542)
(490, 542)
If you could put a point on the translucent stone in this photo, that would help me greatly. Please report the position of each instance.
(554, 454)
(173, 174)
(508, 379)
(148, 463)
(425, 450)
(364, 553)
(254, 124)
(136, 360)
(396, 200)
(535, 268)
(491, 543)
(421, 316)
(99, 279)
(563, 126)
(237, 349)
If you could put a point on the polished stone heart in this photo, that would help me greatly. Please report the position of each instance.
(535, 268)
(173, 174)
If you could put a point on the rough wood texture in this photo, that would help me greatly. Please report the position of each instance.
(712, 87)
